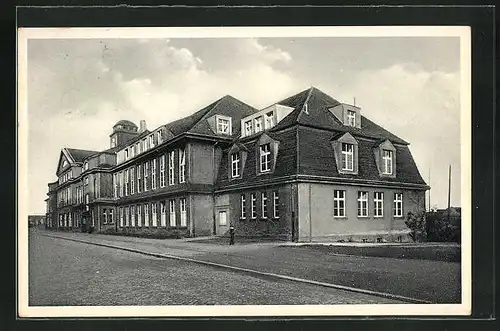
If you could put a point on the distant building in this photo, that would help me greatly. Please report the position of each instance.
(36, 220)
(303, 169)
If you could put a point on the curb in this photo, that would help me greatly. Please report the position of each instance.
(254, 272)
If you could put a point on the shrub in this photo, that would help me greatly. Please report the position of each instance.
(442, 229)
(416, 222)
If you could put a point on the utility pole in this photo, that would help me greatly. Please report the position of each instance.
(354, 101)
(449, 191)
(430, 190)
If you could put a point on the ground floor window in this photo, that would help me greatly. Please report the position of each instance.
(378, 204)
(104, 216)
(243, 207)
(146, 215)
(222, 217)
(252, 205)
(338, 203)
(182, 205)
(132, 215)
(362, 204)
(276, 204)
(171, 204)
(139, 215)
(398, 204)
(121, 217)
(163, 210)
(264, 204)
(154, 216)
(127, 216)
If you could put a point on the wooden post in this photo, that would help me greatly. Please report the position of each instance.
(449, 192)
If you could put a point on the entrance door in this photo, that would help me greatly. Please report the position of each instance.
(222, 222)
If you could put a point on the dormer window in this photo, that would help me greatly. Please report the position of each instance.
(223, 125)
(144, 144)
(235, 165)
(138, 147)
(85, 166)
(387, 162)
(258, 124)
(248, 128)
(159, 137)
(347, 157)
(351, 118)
(113, 142)
(269, 123)
(126, 154)
(151, 141)
(132, 151)
(64, 163)
(265, 157)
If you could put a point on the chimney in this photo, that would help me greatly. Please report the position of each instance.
(142, 126)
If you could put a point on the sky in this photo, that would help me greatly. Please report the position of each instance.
(79, 88)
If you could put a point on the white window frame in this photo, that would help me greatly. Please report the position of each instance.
(132, 180)
(258, 124)
(111, 220)
(265, 157)
(183, 211)
(162, 171)
(398, 205)
(145, 144)
(121, 217)
(132, 216)
(120, 175)
(171, 168)
(139, 178)
(154, 214)
(339, 204)
(248, 127)
(139, 215)
(138, 147)
(378, 204)
(276, 203)
(146, 175)
(163, 214)
(235, 165)
(362, 204)
(159, 137)
(182, 165)
(351, 118)
(146, 214)
(126, 182)
(243, 202)
(253, 202)
(347, 156)
(151, 139)
(153, 175)
(127, 216)
(171, 209)
(223, 125)
(126, 154)
(263, 204)
(269, 120)
(387, 161)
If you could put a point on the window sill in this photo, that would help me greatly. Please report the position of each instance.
(378, 216)
(340, 217)
(364, 217)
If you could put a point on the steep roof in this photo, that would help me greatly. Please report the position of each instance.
(227, 106)
(79, 155)
(311, 108)
(125, 122)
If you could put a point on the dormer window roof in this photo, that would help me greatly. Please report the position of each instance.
(264, 119)
(348, 115)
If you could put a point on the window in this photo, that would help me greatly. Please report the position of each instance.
(113, 142)
(258, 124)
(86, 180)
(110, 217)
(398, 204)
(243, 207)
(163, 214)
(264, 204)
(146, 214)
(126, 182)
(132, 180)
(85, 166)
(139, 179)
(378, 204)
(153, 175)
(248, 128)
(347, 156)
(144, 144)
(171, 168)
(235, 165)
(132, 151)
(171, 204)
(151, 141)
(223, 125)
(159, 138)
(120, 175)
(222, 217)
(265, 157)
(351, 118)
(182, 205)
(269, 120)
(362, 204)
(387, 162)
(121, 217)
(132, 215)
(253, 212)
(276, 204)
(138, 147)
(127, 214)
(182, 165)
(146, 174)
(162, 171)
(126, 154)
(104, 216)
(139, 215)
(154, 216)
(338, 203)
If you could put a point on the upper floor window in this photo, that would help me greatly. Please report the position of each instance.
(265, 157)
(126, 154)
(387, 162)
(86, 180)
(85, 166)
(362, 204)
(151, 141)
(338, 203)
(113, 142)
(248, 128)
(138, 147)
(235, 165)
(223, 125)
(162, 171)
(153, 174)
(144, 144)
(269, 120)
(132, 151)
(351, 118)
(146, 174)
(347, 156)
(182, 165)
(132, 180)
(139, 179)
(398, 204)
(159, 137)
(378, 204)
(258, 124)
(171, 168)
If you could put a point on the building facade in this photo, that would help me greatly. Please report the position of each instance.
(307, 168)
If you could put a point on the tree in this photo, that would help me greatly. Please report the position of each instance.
(416, 222)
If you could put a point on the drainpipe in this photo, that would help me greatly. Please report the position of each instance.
(213, 193)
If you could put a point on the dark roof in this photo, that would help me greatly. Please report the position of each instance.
(196, 123)
(125, 122)
(318, 115)
(79, 155)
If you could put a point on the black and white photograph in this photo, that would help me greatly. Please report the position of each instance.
(244, 171)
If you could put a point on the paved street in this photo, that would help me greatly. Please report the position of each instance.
(63, 272)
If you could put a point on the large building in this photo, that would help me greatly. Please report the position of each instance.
(306, 168)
